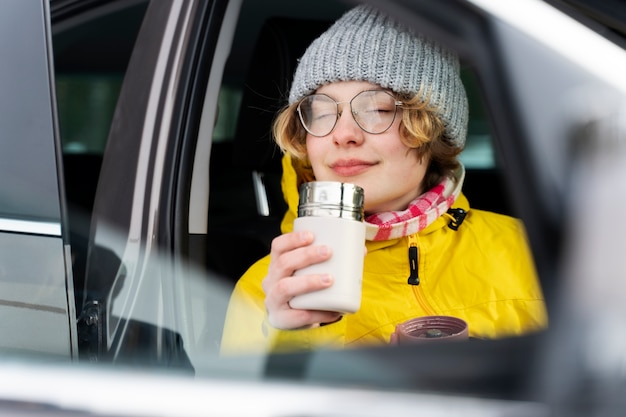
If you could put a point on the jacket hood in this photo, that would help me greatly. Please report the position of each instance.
(452, 194)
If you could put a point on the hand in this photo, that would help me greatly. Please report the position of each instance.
(290, 252)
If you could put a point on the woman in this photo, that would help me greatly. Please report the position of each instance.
(375, 105)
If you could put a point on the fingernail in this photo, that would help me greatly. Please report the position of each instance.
(306, 236)
(323, 250)
(325, 278)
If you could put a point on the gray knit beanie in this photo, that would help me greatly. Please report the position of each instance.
(366, 45)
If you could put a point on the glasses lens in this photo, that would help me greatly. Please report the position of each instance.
(318, 114)
(374, 111)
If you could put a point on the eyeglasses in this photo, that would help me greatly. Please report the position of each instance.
(373, 110)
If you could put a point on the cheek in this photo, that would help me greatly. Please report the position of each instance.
(403, 155)
(313, 150)
(407, 165)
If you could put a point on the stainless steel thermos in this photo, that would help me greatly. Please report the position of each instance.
(333, 212)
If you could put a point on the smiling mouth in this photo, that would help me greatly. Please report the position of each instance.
(351, 167)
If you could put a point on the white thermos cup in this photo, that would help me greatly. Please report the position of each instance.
(333, 212)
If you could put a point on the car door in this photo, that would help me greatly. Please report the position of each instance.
(36, 289)
(143, 295)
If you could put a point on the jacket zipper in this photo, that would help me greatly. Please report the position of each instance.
(414, 278)
(414, 274)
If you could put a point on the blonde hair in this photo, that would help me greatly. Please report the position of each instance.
(420, 129)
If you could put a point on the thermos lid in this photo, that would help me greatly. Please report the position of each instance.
(331, 199)
(432, 328)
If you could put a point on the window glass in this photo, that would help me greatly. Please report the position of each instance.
(478, 152)
(86, 105)
(91, 52)
(92, 46)
(228, 112)
(264, 87)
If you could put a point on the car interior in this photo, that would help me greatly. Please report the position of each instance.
(246, 203)
(252, 157)
(245, 208)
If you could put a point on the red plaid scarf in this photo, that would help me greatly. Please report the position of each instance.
(421, 212)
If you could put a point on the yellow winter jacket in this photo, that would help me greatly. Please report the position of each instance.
(482, 273)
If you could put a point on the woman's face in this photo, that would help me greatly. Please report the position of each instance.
(390, 173)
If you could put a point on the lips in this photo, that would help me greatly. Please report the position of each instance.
(350, 167)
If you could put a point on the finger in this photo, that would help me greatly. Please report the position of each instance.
(290, 241)
(292, 319)
(300, 258)
(279, 294)
(286, 264)
(291, 251)
(280, 313)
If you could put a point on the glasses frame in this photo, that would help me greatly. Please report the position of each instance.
(397, 103)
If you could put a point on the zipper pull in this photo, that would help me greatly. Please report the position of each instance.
(458, 215)
(413, 258)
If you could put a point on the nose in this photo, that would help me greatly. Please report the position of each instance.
(347, 131)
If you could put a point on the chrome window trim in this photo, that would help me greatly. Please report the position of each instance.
(30, 227)
(199, 193)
